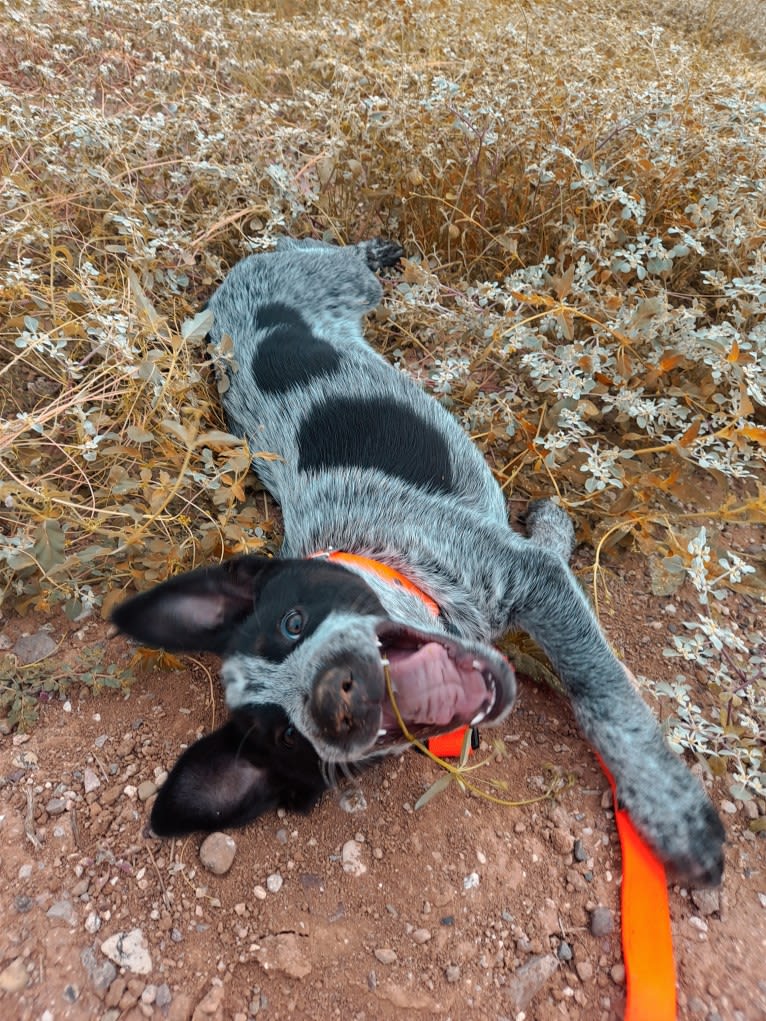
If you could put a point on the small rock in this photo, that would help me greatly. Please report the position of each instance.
(580, 853)
(584, 971)
(64, 910)
(283, 953)
(452, 973)
(751, 809)
(562, 841)
(564, 952)
(601, 921)
(351, 857)
(217, 853)
(707, 902)
(274, 882)
(23, 904)
(729, 807)
(101, 973)
(146, 789)
(471, 881)
(163, 997)
(617, 972)
(529, 979)
(353, 801)
(210, 1003)
(129, 950)
(14, 978)
(55, 806)
(421, 935)
(31, 648)
(698, 923)
(385, 955)
(92, 923)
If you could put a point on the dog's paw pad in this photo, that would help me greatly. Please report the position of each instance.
(379, 253)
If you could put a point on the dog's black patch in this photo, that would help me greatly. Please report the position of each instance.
(375, 432)
(311, 589)
(256, 762)
(290, 355)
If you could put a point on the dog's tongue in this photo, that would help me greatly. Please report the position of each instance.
(430, 688)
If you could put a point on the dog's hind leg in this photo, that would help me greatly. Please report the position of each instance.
(666, 803)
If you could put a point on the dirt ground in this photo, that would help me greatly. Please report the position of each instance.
(362, 910)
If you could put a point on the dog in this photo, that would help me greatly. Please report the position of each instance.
(369, 470)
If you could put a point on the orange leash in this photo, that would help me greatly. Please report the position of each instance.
(647, 942)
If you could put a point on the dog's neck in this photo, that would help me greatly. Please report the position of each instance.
(381, 571)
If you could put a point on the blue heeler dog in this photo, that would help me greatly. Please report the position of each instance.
(367, 463)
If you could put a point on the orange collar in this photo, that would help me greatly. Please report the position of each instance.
(383, 571)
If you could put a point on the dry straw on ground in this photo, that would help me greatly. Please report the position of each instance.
(580, 189)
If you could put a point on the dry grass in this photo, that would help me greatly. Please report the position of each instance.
(580, 187)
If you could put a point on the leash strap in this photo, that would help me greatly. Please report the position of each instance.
(647, 942)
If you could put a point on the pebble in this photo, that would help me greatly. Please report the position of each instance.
(584, 971)
(283, 953)
(146, 789)
(564, 952)
(707, 902)
(274, 882)
(580, 853)
(421, 935)
(385, 955)
(562, 841)
(129, 950)
(452, 973)
(617, 971)
(601, 921)
(163, 997)
(55, 806)
(751, 810)
(729, 807)
(529, 979)
(353, 801)
(31, 648)
(471, 881)
(14, 978)
(101, 973)
(351, 858)
(64, 910)
(217, 853)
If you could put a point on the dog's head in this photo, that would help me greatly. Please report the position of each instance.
(304, 645)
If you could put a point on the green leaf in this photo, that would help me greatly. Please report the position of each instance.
(48, 549)
(436, 787)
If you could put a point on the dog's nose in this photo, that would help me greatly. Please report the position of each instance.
(341, 705)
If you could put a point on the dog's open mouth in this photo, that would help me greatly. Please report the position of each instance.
(438, 685)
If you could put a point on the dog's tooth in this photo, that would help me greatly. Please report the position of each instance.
(385, 661)
(382, 732)
(478, 718)
(476, 665)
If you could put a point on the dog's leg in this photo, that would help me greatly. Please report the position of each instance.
(666, 803)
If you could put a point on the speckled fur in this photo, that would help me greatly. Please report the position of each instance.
(457, 545)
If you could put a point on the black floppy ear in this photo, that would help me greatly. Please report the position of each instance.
(211, 787)
(230, 777)
(195, 611)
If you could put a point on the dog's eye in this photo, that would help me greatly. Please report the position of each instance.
(291, 625)
(288, 736)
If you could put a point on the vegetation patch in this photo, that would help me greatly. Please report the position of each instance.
(580, 191)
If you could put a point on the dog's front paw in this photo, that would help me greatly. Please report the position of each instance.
(379, 253)
(678, 819)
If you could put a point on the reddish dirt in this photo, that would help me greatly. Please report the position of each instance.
(225, 947)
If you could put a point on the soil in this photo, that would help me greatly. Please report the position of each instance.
(464, 909)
